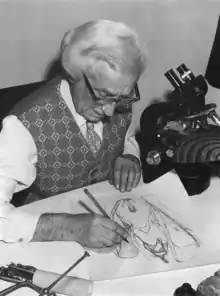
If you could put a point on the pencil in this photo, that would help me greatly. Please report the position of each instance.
(99, 207)
(86, 207)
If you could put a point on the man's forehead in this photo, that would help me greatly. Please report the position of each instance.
(113, 84)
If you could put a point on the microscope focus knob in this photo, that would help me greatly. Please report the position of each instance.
(153, 157)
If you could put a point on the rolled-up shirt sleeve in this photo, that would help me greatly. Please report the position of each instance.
(18, 157)
(131, 145)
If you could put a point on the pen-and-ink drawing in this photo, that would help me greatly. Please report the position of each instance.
(153, 231)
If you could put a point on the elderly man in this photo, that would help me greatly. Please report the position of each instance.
(72, 132)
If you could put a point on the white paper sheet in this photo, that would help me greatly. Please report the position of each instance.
(189, 220)
(183, 228)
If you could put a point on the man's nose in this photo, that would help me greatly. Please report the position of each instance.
(109, 109)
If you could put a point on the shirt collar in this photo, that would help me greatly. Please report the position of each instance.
(66, 95)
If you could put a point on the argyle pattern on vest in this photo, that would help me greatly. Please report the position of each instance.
(65, 160)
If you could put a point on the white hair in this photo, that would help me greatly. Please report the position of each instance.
(102, 46)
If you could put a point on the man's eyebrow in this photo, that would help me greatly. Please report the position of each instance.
(111, 94)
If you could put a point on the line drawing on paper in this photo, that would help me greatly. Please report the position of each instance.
(153, 231)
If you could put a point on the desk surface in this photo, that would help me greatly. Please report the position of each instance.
(163, 283)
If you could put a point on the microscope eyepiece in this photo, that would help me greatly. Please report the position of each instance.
(185, 73)
(173, 79)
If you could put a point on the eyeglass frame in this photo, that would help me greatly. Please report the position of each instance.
(117, 100)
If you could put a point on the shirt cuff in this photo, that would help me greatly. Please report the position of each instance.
(132, 147)
(18, 226)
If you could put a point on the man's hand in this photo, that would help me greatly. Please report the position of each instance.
(89, 230)
(125, 173)
(96, 231)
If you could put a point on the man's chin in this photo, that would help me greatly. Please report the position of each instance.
(94, 120)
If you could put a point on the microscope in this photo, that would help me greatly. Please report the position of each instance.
(182, 134)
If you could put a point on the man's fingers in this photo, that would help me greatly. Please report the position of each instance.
(105, 250)
(107, 233)
(115, 232)
(103, 237)
(137, 176)
(123, 179)
(113, 227)
(131, 179)
(98, 243)
(117, 174)
(121, 231)
(127, 174)
(110, 237)
(110, 241)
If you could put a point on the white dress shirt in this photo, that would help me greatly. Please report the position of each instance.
(18, 156)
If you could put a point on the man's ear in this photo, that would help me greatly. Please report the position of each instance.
(67, 38)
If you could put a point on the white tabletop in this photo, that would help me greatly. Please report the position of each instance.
(57, 256)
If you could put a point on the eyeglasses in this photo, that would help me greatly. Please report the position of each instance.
(120, 100)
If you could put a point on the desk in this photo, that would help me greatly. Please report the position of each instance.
(163, 283)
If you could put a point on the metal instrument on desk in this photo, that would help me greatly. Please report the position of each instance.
(20, 275)
(182, 134)
(24, 276)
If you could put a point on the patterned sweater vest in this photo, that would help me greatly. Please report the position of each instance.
(65, 161)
